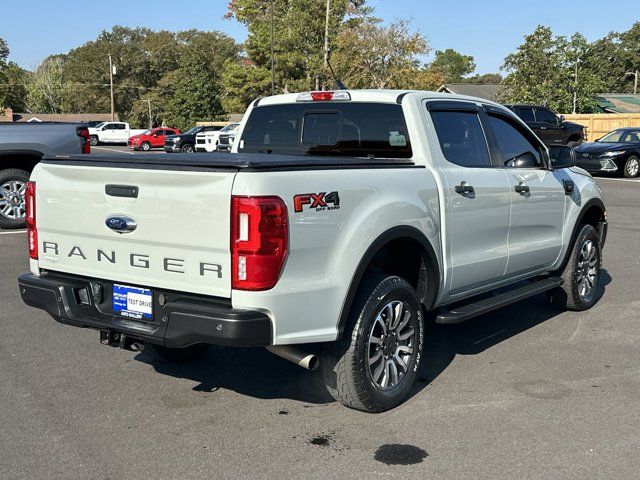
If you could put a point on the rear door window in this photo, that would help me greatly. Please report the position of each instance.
(546, 116)
(329, 129)
(461, 138)
(526, 114)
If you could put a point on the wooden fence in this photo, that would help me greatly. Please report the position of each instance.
(598, 124)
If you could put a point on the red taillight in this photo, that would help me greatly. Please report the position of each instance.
(324, 96)
(321, 96)
(32, 231)
(84, 133)
(258, 241)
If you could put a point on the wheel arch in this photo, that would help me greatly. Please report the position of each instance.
(428, 271)
(21, 159)
(593, 212)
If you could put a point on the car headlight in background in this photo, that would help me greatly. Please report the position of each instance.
(613, 154)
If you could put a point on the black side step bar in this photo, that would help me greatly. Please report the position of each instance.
(470, 310)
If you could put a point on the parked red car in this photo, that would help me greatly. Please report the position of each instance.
(153, 138)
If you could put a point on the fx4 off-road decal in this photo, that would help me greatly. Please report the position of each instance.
(317, 201)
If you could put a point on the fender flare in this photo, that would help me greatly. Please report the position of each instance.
(594, 202)
(395, 233)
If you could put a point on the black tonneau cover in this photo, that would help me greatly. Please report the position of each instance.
(227, 161)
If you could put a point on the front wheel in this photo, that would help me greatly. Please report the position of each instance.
(374, 365)
(632, 167)
(187, 148)
(93, 140)
(145, 146)
(581, 275)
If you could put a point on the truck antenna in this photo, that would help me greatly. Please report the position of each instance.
(339, 84)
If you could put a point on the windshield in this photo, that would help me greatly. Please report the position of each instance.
(230, 127)
(100, 125)
(193, 130)
(621, 136)
(329, 129)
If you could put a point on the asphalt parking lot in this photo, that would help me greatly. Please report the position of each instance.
(525, 392)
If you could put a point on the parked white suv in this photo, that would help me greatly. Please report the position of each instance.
(208, 141)
(340, 220)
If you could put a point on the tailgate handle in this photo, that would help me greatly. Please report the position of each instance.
(130, 191)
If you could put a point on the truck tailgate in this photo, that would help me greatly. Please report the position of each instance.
(182, 234)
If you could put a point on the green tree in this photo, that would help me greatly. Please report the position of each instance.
(370, 55)
(578, 73)
(453, 65)
(197, 85)
(242, 83)
(299, 35)
(485, 78)
(553, 71)
(46, 91)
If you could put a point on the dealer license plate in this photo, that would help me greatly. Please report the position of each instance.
(132, 302)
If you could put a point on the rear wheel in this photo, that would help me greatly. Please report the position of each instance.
(187, 148)
(632, 167)
(374, 365)
(145, 146)
(581, 275)
(186, 354)
(13, 183)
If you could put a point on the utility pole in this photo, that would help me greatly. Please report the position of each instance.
(575, 87)
(150, 117)
(273, 78)
(326, 40)
(111, 69)
(635, 80)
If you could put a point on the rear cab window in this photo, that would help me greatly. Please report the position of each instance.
(354, 129)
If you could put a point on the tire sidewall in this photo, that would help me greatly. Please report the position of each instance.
(587, 232)
(626, 166)
(187, 148)
(93, 140)
(7, 176)
(390, 289)
(145, 146)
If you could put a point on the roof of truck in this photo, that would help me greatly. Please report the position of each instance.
(376, 95)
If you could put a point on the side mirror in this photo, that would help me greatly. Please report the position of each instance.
(561, 119)
(524, 160)
(562, 156)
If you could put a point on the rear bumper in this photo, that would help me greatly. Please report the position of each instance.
(179, 319)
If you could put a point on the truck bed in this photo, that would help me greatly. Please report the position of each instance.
(228, 162)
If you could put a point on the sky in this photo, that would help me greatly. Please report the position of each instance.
(486, 29)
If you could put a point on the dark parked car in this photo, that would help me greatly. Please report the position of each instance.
(617, 152)
(185, 142)
(551, 128)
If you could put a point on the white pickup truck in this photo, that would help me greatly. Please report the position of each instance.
(112, 132)
(339, 221)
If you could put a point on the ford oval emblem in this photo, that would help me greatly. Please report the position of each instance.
(121, 223)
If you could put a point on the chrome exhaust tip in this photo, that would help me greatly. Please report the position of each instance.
(308, 361)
